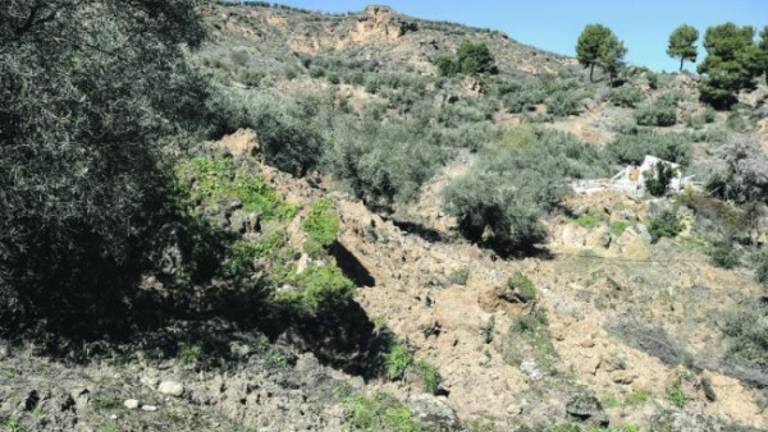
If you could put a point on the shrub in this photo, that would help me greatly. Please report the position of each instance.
(723, 254)
(676, 395)
(384, 163)
(740, 172)
(471, 59)
(632, 148)
(515, 182)
(564, 103)
(657, 182)
(666, 225)
(430, 375)
(747, 331)
(397, 361)
(627, 97)
(380, 413)
(760, 261)
(324, 289)
(659, 114)
(322, 223)
(522, 287)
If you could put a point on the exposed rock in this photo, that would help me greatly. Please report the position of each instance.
(244, 222)
(669, 421)
(149, 408)
(243, 142)
(634, 243)
(586, 408)
(433, 413)
(131, 404)
(171, 388)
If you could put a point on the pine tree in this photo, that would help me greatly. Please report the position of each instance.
(682, 44)
(598, 46)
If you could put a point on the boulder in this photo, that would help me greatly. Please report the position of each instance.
(433, 413)
(670, 421)
(586, 408)
(171, 388)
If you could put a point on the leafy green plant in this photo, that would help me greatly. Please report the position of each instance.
(322, 223)
(666, 225)
(628, 97)
(637, 397)
(590, 219)
(617, 228)
(746, 328)
(723, 254)
(13, 424)
(470, 59)
(676, 395)
(397, 361)
(322, 289)
(657, 183)
(430, 374)
(656, 114)
(522, 287)
(189, 353)
(380, 413)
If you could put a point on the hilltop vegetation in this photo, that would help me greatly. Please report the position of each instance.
(367, 221)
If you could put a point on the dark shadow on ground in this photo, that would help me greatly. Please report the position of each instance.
(352, 268)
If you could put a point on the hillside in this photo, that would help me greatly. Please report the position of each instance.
(359, 239)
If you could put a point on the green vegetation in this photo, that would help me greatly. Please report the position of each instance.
(632, 148)
(381, 413)
(657, 183)
(12, 424)
(666, 225)
(189, 353)
(682, 44)
(590, 219)
(625, 96)
(217, 179)
(723, 254)
(617, 228)
(637, 397)
(532, 165)
(321, 289)
(741, 173)
(522, 287)
(430, 374)
(321, 225)
(528, 338)
(397, 361)
(747, 331)
(733, 62)
(675, 393)
(597, 45)
(471, 59)
(658, 113)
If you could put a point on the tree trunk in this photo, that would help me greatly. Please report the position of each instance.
(682, 60)
(592, 73)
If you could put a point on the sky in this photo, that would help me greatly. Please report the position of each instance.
(554, 25)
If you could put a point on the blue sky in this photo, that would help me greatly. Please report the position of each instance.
(643, 25)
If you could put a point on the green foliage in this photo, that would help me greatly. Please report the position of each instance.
(740, 173)
(217, 179)
(747, 331)
(625, 96)
(666, 225)
(323, 289)
(385, 163)
(564, 103)
(660, 113)
(723, 254)
(322, 223)
(189, 353)
(657, 183)
(397, 361)
(597, 45)
(528, 338)
(12, 424)
(637, 397)
(682, 44)
(382, 413)
(617, 228)
(632, 148)
(523, 287)
(431, 376)
(590, 219)
(732, 63)
(760, 261)
(516, 181)
(82, 164)
(676, 395)
(471, 59)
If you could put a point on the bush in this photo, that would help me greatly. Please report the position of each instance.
(747, 330)
(430, 375)
(627, 97)
(380, 413)
(564, 103)
(658, 114)
(322, 223)
(471, 59)
(397, 361)
(323, 289)
(666, 225)
(522, 287)
(514, 183)
(740, 172)
(724, 255)
(632, 148)
(658, 182)
(384, 163)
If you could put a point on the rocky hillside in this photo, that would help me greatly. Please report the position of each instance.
(367, 243)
